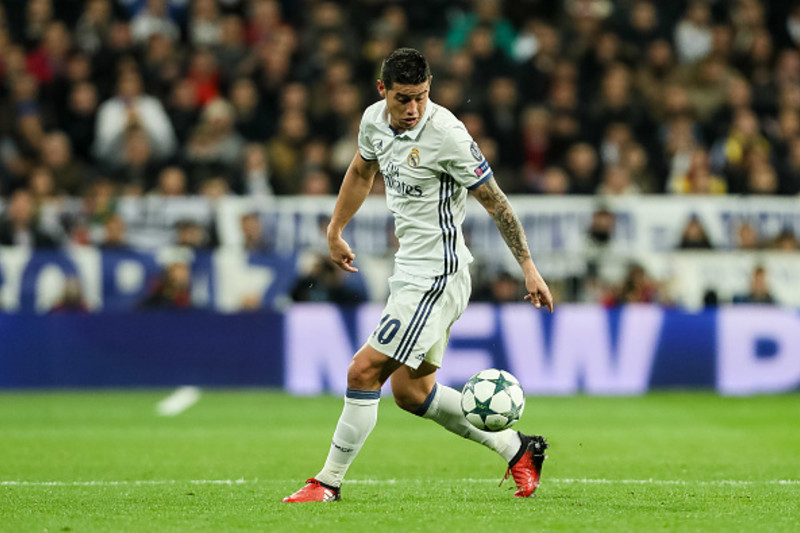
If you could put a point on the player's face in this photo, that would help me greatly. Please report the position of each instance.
(406, 103)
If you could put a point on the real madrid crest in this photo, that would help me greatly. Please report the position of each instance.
(413, 157)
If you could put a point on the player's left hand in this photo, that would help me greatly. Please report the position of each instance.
(538, 291)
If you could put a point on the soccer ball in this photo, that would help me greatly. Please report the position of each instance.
(492, 400)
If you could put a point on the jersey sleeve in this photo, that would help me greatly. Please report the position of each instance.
(463, 160)
(365, 147)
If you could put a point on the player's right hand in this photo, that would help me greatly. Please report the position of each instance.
(341, 254)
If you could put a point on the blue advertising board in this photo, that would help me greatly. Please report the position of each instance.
(578, 349)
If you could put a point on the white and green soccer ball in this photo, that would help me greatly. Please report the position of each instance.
(492, 400)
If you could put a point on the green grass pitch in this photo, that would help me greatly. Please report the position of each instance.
(667, 461)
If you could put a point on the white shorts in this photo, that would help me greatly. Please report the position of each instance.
(415, 324)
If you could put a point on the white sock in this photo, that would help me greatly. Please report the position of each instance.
(358, 418)
(443, 406)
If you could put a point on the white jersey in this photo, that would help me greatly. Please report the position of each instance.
(427, 171)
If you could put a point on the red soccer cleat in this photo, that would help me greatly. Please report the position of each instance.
(314, 491)
(526, 466)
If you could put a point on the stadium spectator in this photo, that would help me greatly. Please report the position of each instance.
(285, 152)
(215, 187)
(137, 168)
(316, 182)
(617, 182)
(160, 67)
(154, 19)
(342, 150)
(231, 51)
(500, 289)
(132, 109)
(707, 85)
(730, 154)
(762, 179)
(79, 117)
(693, 32)
(38, 16)
(114, 234)
(487, 14)
(255, 240)
(49, 60)
(255, 177)
(585, 23)
(204, 73)
(582, 166)
(19, 225)
(71, 300)
(56, 154)
(171, 182)
(264, 19)
(638, 287)
(253, 121)
(94, 25)
(694, 236)
(191, 234)
(747, 237)
(653, 75)
(790, 170)
(172, 290)
(698, 178)
(109, 58)
(534, 75)
(601, 228)
(100, 202)
(214, 147)
(325, 282)
(786, 241)
(758, 292)
(205, 24)
(183, 109)
(554, 182)
(642, 26)
(634, 158)
(615, 136)
(790, 34)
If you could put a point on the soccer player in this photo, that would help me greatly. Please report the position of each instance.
(429, 162)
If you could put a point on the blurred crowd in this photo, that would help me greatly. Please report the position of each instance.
(102, 99)
(262, 97)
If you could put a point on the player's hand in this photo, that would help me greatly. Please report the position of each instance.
(538, 291)
(341, 254)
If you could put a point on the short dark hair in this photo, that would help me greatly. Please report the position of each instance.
(405, 66)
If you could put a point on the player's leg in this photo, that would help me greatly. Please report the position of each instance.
(416, 391)
(368, 370)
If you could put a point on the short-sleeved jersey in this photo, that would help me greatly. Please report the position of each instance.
(427, 171)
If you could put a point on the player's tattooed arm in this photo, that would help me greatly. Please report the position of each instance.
(496, 203)
(498, 206)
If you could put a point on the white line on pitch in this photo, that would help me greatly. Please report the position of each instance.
(242, 481)
(179, 401)
(132, 482)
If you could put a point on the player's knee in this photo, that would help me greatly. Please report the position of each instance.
(362, 376)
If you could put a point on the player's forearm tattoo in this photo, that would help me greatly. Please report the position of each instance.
(506, 220)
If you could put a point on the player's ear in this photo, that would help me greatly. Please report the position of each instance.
(381, 89)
